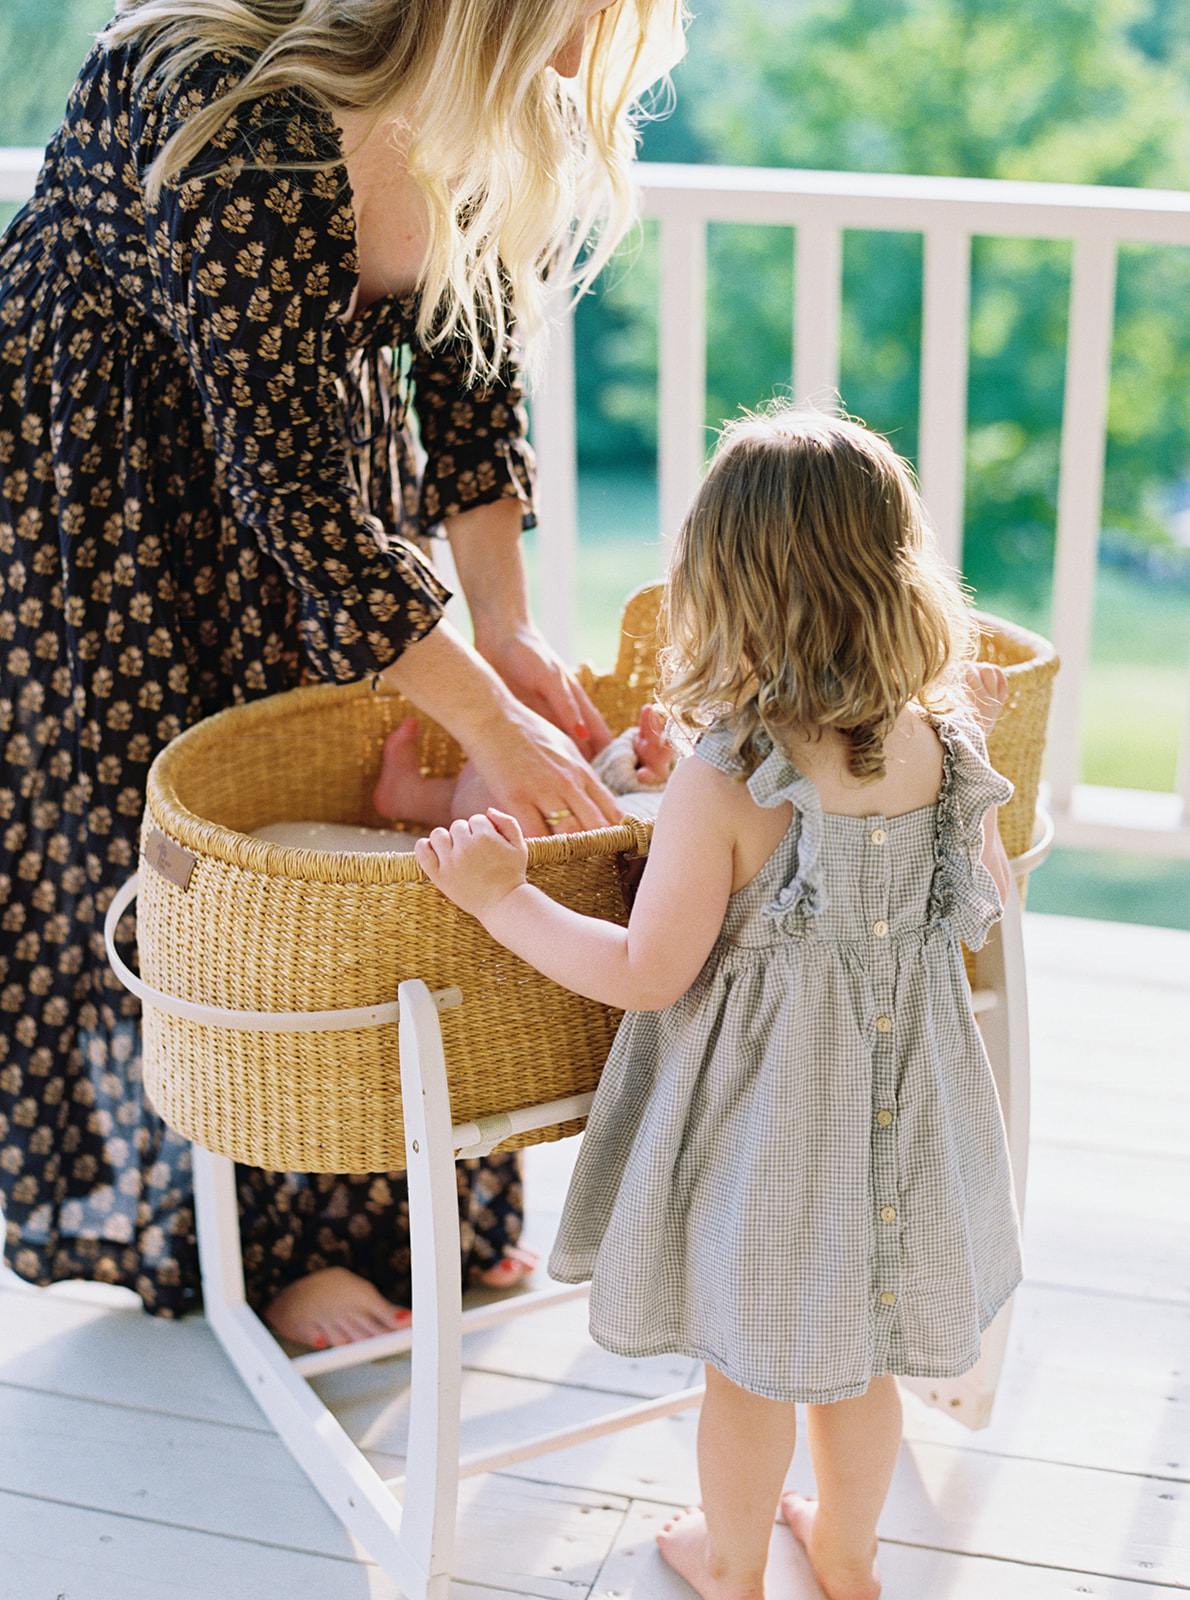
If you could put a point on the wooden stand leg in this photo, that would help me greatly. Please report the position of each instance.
(328, 1456)
(432, 1474)
(412, 1540)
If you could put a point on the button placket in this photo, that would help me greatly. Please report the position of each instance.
(884, 1165)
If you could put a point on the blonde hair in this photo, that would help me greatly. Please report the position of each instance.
(526, 176)
(805, 591)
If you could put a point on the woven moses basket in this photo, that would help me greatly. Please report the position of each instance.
(235, 923)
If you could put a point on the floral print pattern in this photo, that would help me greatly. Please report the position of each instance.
(208, 493)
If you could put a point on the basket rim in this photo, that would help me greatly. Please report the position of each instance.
(165, 811)
(1043, 657)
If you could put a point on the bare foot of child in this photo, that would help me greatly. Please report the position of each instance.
(403, 792)
(513, 1267)
(684, 1544)
(842, 1574)
(331, 1307)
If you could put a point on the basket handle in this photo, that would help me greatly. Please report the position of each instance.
(252, 1021)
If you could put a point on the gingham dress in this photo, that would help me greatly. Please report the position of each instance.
(798, 1172)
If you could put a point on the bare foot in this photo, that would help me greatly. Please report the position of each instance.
(333, 1307)
(842, 1574)
(403, 792)
(684, 1544)
(513, 1267)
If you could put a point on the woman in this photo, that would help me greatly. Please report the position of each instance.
(266, 233)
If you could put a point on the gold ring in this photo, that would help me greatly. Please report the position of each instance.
(555, 817)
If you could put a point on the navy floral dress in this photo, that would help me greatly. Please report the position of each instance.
(208, 493)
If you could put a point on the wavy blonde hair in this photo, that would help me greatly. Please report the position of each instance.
(806, 592)
(525, 175)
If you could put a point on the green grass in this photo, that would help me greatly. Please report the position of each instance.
(1134, 702)
(1111, 886)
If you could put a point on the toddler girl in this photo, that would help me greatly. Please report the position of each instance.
(795, 1167)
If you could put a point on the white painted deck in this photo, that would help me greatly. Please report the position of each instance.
(135, 1466)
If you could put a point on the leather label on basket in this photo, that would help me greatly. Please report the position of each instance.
(170, 859)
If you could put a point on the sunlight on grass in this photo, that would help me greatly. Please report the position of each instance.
(1132, 716)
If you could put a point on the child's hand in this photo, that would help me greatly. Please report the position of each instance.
(988, 687)
(477, 861)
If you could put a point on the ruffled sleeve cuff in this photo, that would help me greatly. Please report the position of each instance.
(474, 439)
(964, 889)
(777, 781)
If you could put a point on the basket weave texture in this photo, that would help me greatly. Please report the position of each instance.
(261, 927)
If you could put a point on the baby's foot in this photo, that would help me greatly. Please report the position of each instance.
(842, 1574)
(331, 1307)
(684, 1544)
(403, 792)
(513, 1267)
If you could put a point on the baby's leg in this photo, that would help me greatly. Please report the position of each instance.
(854, 1445)
(403, 792)
(745, 1444)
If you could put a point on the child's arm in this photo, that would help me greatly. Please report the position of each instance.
(995, 857)
(988, 687)
(480, 865)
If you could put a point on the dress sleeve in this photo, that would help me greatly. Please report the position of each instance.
(474, 438)
(964, 890)
(255, 263)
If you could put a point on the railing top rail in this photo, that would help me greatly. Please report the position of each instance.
(18, 172)
(908, 203)
(885, 201)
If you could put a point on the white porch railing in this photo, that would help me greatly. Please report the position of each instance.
(948, 213)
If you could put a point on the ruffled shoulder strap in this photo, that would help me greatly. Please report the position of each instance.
(964, 890)
(775, 781)
(714, 747)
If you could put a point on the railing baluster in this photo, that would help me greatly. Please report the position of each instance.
(682, 356)
(554, 440)
(818, 311)
(1182, 782)
(942, 429)
(1080, 498)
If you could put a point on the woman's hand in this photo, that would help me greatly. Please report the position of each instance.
(537, 774)
(531, 769)
(490, 560)
(540, 680)
(475, 862)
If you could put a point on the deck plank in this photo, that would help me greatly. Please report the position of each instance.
(136, 1465)
(635, 1571)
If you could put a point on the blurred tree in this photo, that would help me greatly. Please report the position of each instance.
(1073, 92)
(41, 49)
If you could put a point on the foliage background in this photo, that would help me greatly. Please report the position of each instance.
(1072, 91)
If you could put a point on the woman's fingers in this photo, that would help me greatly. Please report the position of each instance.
(587, 804)
(542, 681)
